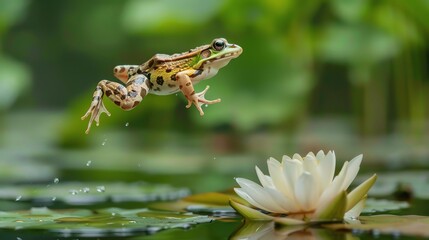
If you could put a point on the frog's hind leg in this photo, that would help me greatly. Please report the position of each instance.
(122, 72)
(187, 88)
(125, 97)
(97, 107)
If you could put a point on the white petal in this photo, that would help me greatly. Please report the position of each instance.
(278, 177)
(291, 170)
(246, 197)
(327, 169)
(263, 179)
(311, 154)
(334, 188)
(284, 202)
(306, 191)
(297, 157)
(286, 157)
(352, 171)
(320, 155)
(311, 165)
(259, 195)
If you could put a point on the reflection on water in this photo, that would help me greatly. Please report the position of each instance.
(269, 231)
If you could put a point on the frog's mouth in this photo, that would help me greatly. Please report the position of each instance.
(237, 50)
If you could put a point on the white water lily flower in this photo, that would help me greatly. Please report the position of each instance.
(304, 187)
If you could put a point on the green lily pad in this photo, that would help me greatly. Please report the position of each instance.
(389, 224)
(89, 193)
(383, 205)
(82, 222)
(389, 183)
(212, 203)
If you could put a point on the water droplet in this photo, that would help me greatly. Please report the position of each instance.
(127, 124)
(104, 142)
(18, 238)
(113, 214)
(177, 94)
(86, 189)
(18, 198)
(56, 180)
(73, 192)
(88, 163)
(101, 189)
(206, 105)
(54, 199)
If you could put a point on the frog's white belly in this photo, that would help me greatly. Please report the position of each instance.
(208, 72)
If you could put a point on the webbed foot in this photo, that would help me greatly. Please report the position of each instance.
(199, 99)
(95, 110)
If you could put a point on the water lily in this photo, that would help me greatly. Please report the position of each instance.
(304, 189)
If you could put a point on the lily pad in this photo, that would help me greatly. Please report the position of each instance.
(76, 193)
(383, 205)
(85, 223)
(212, 203)
(389, 183)
(389, 224)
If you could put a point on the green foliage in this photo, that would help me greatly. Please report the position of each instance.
(14, 79)
(290, 51)
(14, 76)
(11, 12)
(159, 17)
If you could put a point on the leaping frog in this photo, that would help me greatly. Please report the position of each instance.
(163, 75)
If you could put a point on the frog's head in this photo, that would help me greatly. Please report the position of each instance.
(217, 54)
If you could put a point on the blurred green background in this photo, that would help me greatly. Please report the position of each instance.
(351, 76)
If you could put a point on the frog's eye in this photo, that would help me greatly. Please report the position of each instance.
(218, 45)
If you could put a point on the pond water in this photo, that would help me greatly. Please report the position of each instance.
(34, 172)
(221, 228)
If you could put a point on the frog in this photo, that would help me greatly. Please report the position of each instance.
(163, 75)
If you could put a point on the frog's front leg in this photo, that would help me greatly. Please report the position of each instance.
(187, 88)
(125, 97)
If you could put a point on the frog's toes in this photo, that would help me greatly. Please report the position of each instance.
(199, 99)
(95, 110)
(189, 104)
(202, 100)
